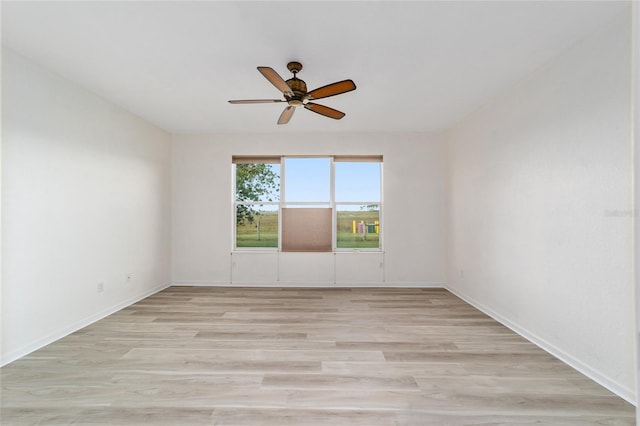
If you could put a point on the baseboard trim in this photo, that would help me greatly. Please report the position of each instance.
(319, 284)
(40, 343)
(200, 284)
(623, 392)
(411, 284)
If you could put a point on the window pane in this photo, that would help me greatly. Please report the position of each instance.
(358, 226)
(256, 226)
(307, 179)
(257, 182)
(357, 181)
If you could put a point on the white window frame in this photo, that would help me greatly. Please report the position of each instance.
(332, 203)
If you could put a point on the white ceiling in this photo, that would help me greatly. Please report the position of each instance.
(419, 66)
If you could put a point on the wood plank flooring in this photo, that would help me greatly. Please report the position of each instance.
(265, 356)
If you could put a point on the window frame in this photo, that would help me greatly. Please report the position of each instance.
(282, 202)
(267, 159)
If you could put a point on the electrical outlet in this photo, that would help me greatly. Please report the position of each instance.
(462, 274)
(129, 277)
(100, 287)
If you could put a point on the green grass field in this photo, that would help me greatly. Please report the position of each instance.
(347, 239)
(350, 240)
(266, 223)
(247, 234)
(251, 240)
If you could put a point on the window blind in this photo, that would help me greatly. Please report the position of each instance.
(275, 159)
(358, 158)
(252, 159)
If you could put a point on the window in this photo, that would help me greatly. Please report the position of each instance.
(257, 205)
(358, 202)
(307, 215)
(308, 203)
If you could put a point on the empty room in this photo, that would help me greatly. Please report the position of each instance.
(319, 213)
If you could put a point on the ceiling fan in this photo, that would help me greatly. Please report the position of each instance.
(295, 93)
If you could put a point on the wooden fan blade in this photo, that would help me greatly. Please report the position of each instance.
(255, 101)
(324, 110)
(275, 79)
(286, 115)
(332, 89)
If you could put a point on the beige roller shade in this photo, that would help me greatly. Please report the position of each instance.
(252, 159)
(307, 229)
(358, 158)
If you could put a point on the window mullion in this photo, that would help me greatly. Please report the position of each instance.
(234, 206)
(332, 203)
(282, 200)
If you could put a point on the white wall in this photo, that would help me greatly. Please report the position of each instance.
(540, 207)
(635, 42)
(413, 193)
(85, 199)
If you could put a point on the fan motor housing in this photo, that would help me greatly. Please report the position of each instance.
(298, 87)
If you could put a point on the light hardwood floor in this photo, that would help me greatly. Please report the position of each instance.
(264, 356)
